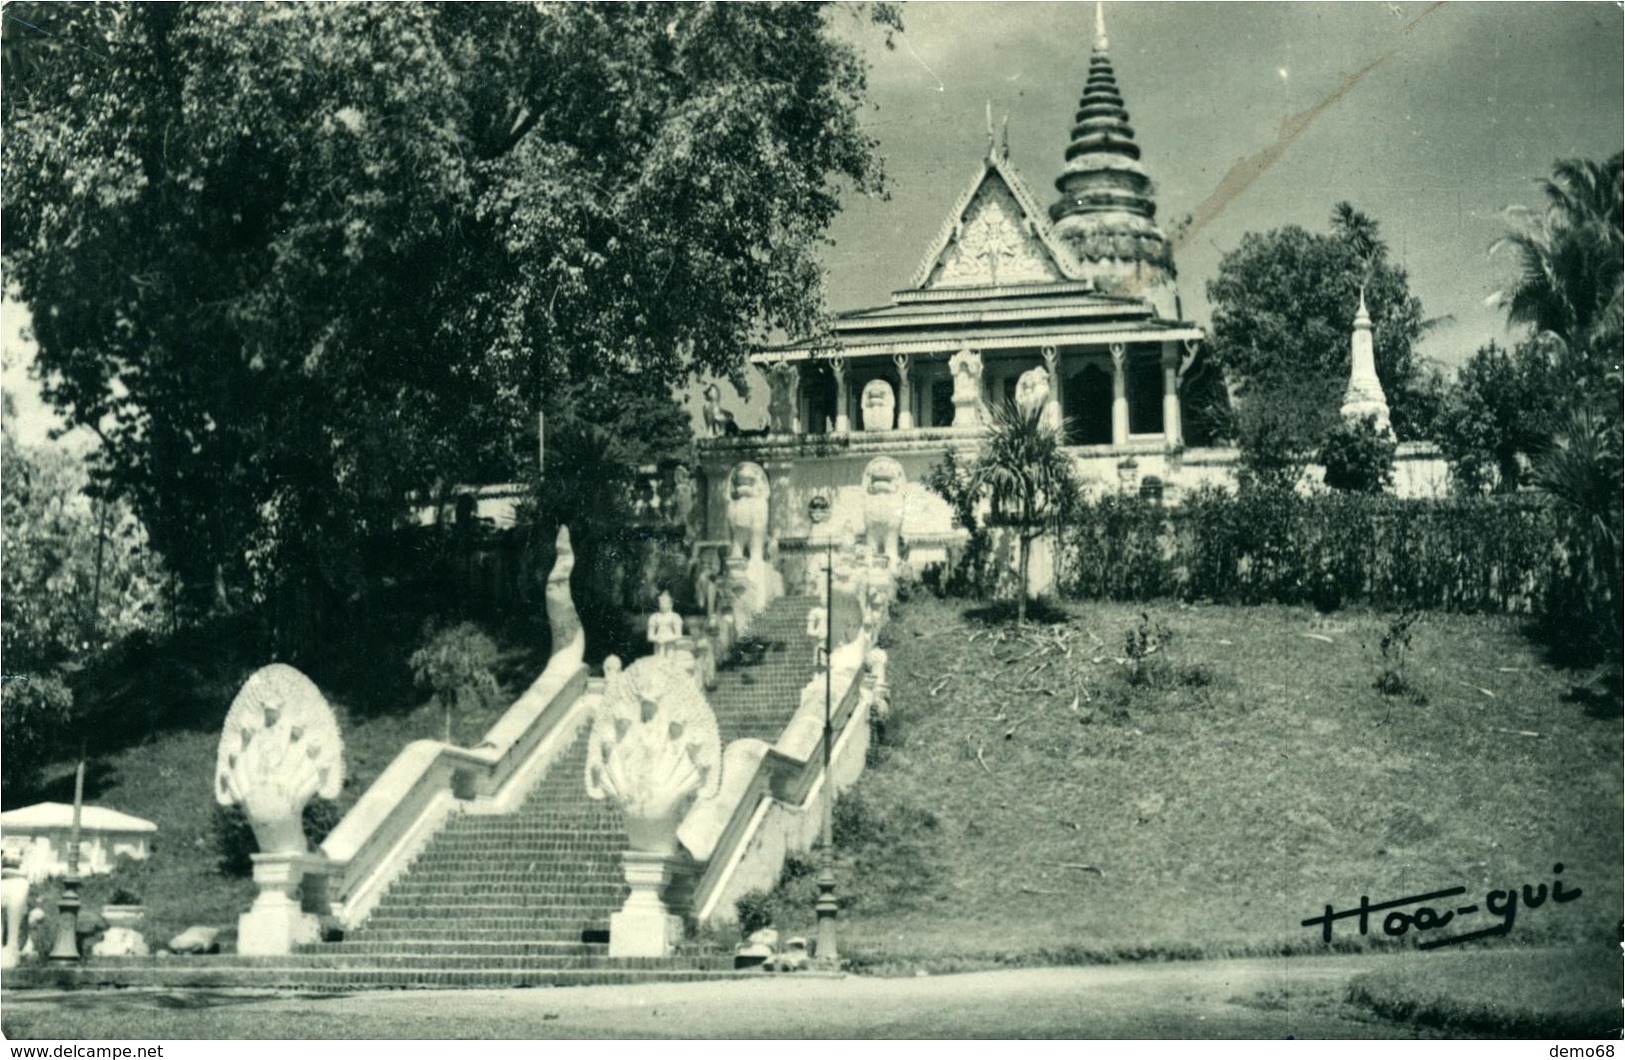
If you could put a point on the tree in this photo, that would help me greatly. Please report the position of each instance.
(1280, 428)
(1284, 304)
(1497, 416)
(1569, 290)
(456, 664)
(1029, 481)
(298, 264)
(78, 576)
(1358, 456)
(1569, 261)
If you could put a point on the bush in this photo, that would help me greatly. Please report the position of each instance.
(1276, 546)
(1279, 429)
(1359, 457)
(456, 665)
(969, 570)
(755, 909)
(1393, 679)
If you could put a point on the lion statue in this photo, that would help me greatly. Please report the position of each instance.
(883, 482)
(747, 511)
(879, 406)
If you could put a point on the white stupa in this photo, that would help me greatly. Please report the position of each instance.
(1364, 396)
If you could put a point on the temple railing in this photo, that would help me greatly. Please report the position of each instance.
(430, 780)
(767, 806)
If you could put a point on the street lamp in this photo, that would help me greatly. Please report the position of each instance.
(66, 947)
(827, 907)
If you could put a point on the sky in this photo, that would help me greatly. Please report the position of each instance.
(1432, 118)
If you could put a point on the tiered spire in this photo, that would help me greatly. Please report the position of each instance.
(1106, 213)
(1364, 396)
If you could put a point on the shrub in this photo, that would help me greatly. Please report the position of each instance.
(755, 909)
(1141, 645)
(1358, 456)
(1393, 679)
(967, 572)
(1276, 546)
(456, 666)
(1279, 429)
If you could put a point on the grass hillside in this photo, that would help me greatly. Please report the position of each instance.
(1035, 799)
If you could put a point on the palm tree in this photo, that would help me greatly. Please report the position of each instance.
(1581, 470)
(1360, 231)
(1568, 285)
(1030, 481)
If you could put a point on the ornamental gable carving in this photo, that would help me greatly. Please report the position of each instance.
(994, 246)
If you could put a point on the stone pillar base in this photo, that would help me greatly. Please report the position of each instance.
(277, 922)
(645, 927)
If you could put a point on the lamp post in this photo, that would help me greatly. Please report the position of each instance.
(827, 907)
(66, 947)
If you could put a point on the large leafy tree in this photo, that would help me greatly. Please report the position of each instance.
(1283, 310)
(296, 264)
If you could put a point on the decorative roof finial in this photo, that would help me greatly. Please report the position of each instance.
(991, 142)
(1005, 148)
(1100, 26)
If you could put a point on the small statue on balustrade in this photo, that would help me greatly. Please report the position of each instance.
(665, 626)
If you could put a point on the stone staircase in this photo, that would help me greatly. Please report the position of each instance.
(521, 899)
(525, 898)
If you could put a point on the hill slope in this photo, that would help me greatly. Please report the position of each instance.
(1031, 801)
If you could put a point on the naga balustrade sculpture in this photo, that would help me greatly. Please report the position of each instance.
(653, 750)
(280, 748)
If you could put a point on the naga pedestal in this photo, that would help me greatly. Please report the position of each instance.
(645, 927)
(279, 920)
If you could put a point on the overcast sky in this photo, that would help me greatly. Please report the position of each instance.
(1466, 108)
(1448, 114)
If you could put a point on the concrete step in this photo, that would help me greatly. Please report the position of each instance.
(182, 972)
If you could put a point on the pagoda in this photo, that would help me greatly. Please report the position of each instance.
(1074, 305)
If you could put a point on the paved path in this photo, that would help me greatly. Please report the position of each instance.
(1260, 998)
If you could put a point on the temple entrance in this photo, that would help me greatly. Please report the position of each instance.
(1089, 407)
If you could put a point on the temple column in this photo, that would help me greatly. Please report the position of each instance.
(1172, 429)
(843, 420)
(1119, 395)
(905, 394)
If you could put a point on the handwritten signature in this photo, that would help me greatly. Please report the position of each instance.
(1503, 904)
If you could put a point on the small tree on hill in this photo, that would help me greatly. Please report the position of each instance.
(1028, 479)
(456, 666)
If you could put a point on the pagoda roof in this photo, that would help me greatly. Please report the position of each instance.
(982, 210)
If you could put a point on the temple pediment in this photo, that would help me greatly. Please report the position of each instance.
(996, 236)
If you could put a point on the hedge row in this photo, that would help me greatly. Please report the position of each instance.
(1511, 554)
